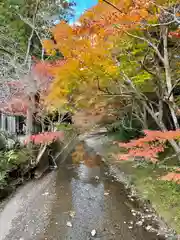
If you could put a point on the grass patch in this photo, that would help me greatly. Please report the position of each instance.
(163, 195)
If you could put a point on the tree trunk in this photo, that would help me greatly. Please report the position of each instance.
(168, 76)
(29, 122)
(162, 126)
(158, 120)
(29, 116)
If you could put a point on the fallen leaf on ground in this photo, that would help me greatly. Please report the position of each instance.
(45, 194)
(96, 177)
(69, 224)
(93, 232)
(130, 227)
(148, 227)
(139, 223)
(106, 194)
(72, 214)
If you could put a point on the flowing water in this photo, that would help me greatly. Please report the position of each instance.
(77, 201)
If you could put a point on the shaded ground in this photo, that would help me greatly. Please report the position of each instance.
(82, 194)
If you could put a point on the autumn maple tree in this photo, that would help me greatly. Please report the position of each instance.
(120, 48)
(25, 96)
(149, 146)
(88, 63)
(44, 138)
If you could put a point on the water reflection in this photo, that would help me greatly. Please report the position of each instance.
(87, 202)
(87, 174)
(81, 189)
(87, 194)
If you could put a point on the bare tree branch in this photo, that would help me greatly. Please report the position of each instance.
(32, 32)
(149, 43)
(112, 5)
(173, 87)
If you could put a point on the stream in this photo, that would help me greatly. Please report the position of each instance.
(78, 201)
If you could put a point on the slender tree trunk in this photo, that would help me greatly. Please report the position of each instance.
(158, 120)
(29, 116)
(29, 126)
(29, 122)
(168, 76)
(162, 126)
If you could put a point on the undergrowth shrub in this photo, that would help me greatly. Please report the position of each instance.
(125, 130)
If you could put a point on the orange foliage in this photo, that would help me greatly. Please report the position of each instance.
(175, 34)
(92, 161)
(49, 46)
(87, 47)
(86, 56)
(173, 176)
(47, 69)
(148, 146)
(80, 155)
(45, 138)
(125, 14)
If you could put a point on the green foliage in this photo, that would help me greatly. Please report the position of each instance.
(11, 160)
(6, 164)
(131, 53)
(141, 78)
(3, 142)
(13, 30)
(16, 21)
(12, 157)
(3, 182)
(125, 130)
(8, 160)
(8, 141)
(64, 127)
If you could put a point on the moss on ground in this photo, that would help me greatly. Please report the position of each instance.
(164, 196)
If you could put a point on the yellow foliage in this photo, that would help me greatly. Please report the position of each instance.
(49, 46)
(143, 13)
(61, 31)
(87, 48)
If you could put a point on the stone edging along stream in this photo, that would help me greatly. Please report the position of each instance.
(97, 145)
